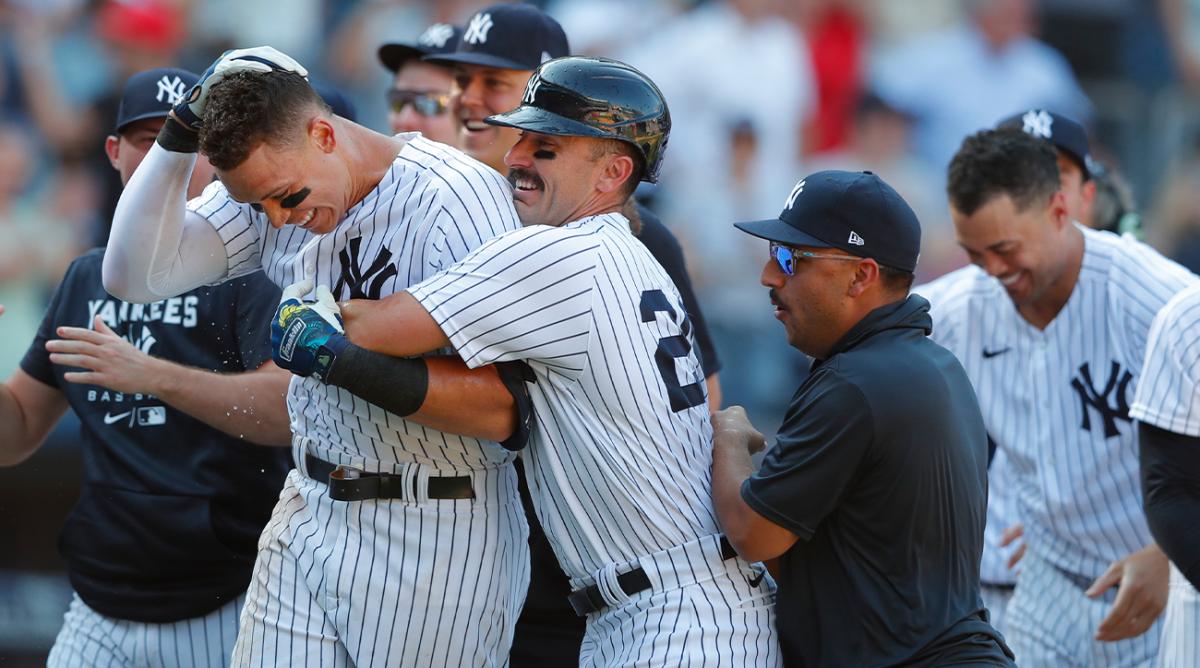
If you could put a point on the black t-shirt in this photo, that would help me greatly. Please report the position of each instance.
(880, 468)
(167, 524)
(665, 248)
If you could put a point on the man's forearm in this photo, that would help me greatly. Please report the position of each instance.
(28, 410)
(250, 405)
(731, 466)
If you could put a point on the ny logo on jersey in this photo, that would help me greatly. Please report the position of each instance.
(1118, 384)
(436, 35)
(144, 342)
(356, 278)
(173, 89)
(477, 31)
(1037, 123)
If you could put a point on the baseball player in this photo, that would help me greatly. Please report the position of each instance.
(619, 459)
(419, 99)
(162, 541)
(394, 543)
(1167, 408)
(1051, 324)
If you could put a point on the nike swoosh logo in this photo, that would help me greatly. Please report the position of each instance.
(988, 354)
(755, 581)
(109, 419)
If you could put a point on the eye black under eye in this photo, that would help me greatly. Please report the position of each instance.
(292, 201)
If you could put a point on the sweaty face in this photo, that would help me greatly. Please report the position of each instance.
(293, 185)
(1020, 248)
(417, 90)
(808, 302)
(553, 178)
(127, 150)
(481, 92)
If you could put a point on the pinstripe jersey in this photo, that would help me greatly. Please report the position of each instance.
(1168, 395)
(620, 459)
(433, 206)
(1057, 400)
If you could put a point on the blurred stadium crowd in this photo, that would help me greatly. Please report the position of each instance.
(761, 92)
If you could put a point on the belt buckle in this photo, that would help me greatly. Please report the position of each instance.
(342, 472)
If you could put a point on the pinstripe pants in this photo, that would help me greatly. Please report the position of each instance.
(386, 582)
(1051, 623)
(90, 639)
(996, 599)
(700, 610)
(1181, 625)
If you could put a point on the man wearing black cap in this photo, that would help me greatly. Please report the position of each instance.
(419, 99)
(500, 47)
(161, 544)
(873, 497)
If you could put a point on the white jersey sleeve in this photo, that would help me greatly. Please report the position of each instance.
(236, 224)
(157, 248)
(1168, 395)
(524, 295)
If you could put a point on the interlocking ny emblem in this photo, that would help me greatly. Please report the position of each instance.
(1037, 123)
(794, 194)
(356, 278)
(1118, 383)
(436, 35)
(173, 89)
(477, 31)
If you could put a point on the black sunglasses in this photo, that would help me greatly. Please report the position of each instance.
(425, 104)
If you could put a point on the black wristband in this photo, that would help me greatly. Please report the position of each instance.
(177, 137)
(395, 384)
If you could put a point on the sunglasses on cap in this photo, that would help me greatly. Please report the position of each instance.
(785, 257)
(425, 104)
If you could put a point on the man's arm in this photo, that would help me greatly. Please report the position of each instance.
(754, 537)
(250, 405)
(1171, 490)
(397, 325)
(28, 410)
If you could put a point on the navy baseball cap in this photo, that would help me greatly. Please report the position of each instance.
(1066, 135)
(854, 211)
(508, 36)
(152, 93)
(438, 39)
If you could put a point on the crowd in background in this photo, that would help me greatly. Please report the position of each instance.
(761, 93)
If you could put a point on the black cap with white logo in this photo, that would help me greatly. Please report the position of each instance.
(152, 93)
(854, 211)
(438, 39)
(1065, 134)
(508, 36)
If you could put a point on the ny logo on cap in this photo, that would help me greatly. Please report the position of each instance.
(436, 35)
(172, 88)
(531, 90)
(855, 239)
(791, 199)
(1037, 123)
(477, 31)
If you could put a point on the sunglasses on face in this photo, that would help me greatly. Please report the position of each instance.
(425, 104)
(785, 257)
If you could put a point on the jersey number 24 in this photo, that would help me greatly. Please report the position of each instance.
(670, 348)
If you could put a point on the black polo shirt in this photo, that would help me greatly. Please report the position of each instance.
(880, 468)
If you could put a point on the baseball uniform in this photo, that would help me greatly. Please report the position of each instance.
(1056, 402)
(160, 546)
(1168, 397)
(619, 462)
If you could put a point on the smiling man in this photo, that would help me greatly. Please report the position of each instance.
(1051, 324)
(873, 497)
(389, 521)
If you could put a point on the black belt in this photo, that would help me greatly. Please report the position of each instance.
(346, 484)
(589, 599)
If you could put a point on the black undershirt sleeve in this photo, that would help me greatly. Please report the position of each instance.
(1171, 490)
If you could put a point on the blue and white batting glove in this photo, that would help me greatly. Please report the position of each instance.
(256, 59)
(306, 337)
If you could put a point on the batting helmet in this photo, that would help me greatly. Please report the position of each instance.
(595, 97)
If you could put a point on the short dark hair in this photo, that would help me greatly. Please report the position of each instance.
(246, 109)
(1002, 162)
(604, 147)
(896, 280)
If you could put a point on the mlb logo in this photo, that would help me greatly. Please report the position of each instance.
(151, 416)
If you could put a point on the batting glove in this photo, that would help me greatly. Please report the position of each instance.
(306, 337)
(257, 59)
